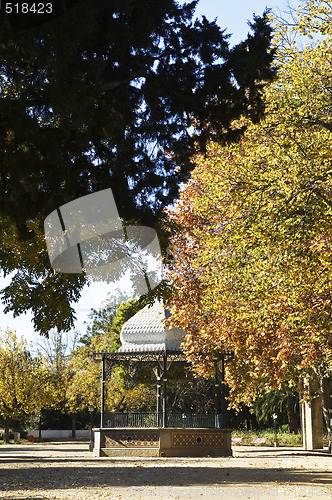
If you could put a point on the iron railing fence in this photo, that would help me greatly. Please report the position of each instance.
(150, 419)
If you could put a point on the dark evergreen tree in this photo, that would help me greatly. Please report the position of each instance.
(103, 95)
(109, 94)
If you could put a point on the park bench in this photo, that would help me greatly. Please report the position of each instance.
(32, 439)
(237, 440)
(258, 441)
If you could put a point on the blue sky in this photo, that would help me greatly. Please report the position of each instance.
(232, 16)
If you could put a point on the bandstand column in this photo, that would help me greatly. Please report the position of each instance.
(220, 388)
(223, 394)
(158, 396)
(103, 381)
(164, 390)
(217, 402)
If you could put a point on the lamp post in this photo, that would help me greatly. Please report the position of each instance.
(39, 426)
(157, 373)
(275, 416)
(91, 409)
(330, 443)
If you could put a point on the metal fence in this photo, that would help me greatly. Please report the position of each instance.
(191, 420)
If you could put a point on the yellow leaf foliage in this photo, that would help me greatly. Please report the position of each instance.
(252, 260)
(23, 379)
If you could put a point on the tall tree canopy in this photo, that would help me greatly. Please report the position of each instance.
(109, 94)
(252, 259)
(103, 95)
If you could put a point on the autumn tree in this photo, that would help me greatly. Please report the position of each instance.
(24, 381)
(57, 350)
(252, 258)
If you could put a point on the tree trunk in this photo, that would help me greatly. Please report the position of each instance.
(6, 433)
(293, 414)
(73, 426)
(325, 390)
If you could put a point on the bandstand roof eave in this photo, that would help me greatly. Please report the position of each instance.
(153, 355)
(175, 355)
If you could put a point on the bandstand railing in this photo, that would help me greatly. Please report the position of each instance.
(153, 419)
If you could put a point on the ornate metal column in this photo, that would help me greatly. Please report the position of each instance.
(157, 372)
(223, 394)
(217, 397)
(220, 387)
(103, 381)
(164, 390)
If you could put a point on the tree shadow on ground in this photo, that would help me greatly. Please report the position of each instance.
(23, 451)
(58, 477)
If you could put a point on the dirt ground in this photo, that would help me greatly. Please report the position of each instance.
(58, 471)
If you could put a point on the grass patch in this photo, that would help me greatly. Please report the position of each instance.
(284, 438)
(11, 441)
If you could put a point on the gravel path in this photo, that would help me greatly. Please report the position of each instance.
(58, 471)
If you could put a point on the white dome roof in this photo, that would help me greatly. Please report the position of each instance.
(145, 331)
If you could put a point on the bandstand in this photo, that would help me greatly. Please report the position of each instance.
(144, 339)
